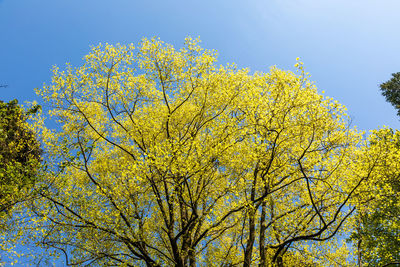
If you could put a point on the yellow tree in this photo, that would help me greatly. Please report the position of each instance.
(164, 158)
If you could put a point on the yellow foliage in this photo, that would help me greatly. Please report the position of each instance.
(165, 158)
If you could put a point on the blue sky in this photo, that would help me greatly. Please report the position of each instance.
(349, 47)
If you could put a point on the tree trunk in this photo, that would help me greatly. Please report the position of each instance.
(263, 228)
(248, 252)
(279, 261)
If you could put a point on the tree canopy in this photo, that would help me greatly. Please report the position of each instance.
(378, 229)
(164, 158)
(391, 91)
(19, 154)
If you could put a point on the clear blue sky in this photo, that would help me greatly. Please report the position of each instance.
(349, 47)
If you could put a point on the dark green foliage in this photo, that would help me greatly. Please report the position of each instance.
(378, 231)
(19, 154)
(391, 91)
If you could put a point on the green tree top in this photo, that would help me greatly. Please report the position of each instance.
(19, 154)
(391, 91)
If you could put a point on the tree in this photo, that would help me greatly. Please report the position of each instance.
(19, 154)
(378, 229)
(164, 158)
(391, 91)
(377, 232)
(20, 163)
